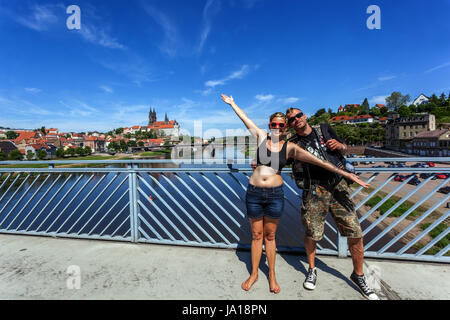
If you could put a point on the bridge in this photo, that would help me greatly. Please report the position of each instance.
(187, 205)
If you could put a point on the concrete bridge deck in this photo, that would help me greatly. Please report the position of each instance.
(36, 268)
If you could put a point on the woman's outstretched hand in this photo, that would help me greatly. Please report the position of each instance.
(356, 179)
(229, 100)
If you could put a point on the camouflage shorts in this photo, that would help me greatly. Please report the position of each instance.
(318, 201)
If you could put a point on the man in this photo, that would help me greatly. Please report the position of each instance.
(325, 192)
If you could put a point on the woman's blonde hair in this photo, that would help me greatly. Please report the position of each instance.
(278, 115)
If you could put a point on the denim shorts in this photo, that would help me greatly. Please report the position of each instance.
(264, 202)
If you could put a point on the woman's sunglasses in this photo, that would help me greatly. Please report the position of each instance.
(297, 116)
(277, 125)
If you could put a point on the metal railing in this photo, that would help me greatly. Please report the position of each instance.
(203, 204)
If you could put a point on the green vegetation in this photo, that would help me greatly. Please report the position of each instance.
(405, 206)
(441, 244)
(155, 153)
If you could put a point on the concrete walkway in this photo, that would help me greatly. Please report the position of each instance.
(36, 268)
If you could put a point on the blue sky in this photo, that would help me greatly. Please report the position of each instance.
(179, 56)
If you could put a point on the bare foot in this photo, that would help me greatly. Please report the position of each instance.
(247, 284)
(274, 287)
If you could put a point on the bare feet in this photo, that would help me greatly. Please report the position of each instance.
(247, 284)
(274, 287)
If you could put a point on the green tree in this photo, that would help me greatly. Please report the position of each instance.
(15, 155)
(2, 156)
(442, 100)
(60, 153)
(87, 150)
(70, 152)
(404, 111)
(119, 130)
(396, 100)
(132, 144)
(30, 155)
(11, 135)
(365, 107)
(41, 154)
(43, 130)
(141, 143)
(80, 151)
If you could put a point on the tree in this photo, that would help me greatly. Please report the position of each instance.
(43, 130)
(11, 135)
(320, 112)
(442, 100)
(396, 100)
(87, 150)
(15, 155)
(132, 144)
(119, 130)
(70, 151)
(41, 154)
(365, 107)
(80, 151)
(141, 143)
(30, 155)
(59, 153)
(2, 156)
(404, 111)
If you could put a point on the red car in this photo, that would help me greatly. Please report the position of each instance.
(400, 178)
(430, 164)
(441, 175)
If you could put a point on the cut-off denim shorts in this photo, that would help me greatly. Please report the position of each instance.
(264, 202)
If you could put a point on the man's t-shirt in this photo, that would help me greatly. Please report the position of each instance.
(312, 143)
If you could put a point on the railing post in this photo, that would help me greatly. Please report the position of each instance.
(134, 219)
(342, 246)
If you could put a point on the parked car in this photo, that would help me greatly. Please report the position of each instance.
(441, 175)
(400, 178)
(392, 165)
(431, 164)
(400, 165)
(419, 165)
(414, 181)
(425, 175)
(445, 190)
(379, 166)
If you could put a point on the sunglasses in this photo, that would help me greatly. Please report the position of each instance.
(279, 125)
(297, 116)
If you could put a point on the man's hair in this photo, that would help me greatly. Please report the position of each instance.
(278, 115)
(290, 110)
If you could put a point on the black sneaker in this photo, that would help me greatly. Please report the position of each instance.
(361, 283)
(311, 278)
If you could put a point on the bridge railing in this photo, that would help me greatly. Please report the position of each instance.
(202, 203)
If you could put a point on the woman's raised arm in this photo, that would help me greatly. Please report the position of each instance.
(302, 155)
(251, 126)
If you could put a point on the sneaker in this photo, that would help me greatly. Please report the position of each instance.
(361, 283)
(311, 278)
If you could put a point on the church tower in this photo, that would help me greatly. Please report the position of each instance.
(166, 119)
(151, 117)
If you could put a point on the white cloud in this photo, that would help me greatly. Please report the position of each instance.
(33, 90)
(290, 100)
(378, 99)
(171, 37)
(40, 19)
(107, 89)
(239, 74)
(211, 8)
(438, 67)
(98, 36)
(264, 98)
(385, 78)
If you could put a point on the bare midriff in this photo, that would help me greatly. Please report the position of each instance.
(265, 177)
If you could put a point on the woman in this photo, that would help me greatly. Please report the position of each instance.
(265, 197)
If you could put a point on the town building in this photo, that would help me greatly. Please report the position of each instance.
(6, 146)
(401, 130)
(353, 119)
(434, 143)
(421, 99)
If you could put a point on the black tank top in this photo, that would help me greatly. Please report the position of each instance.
(267, 155)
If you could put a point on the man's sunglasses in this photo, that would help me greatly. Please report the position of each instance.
(297, 116)
(274, 125)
